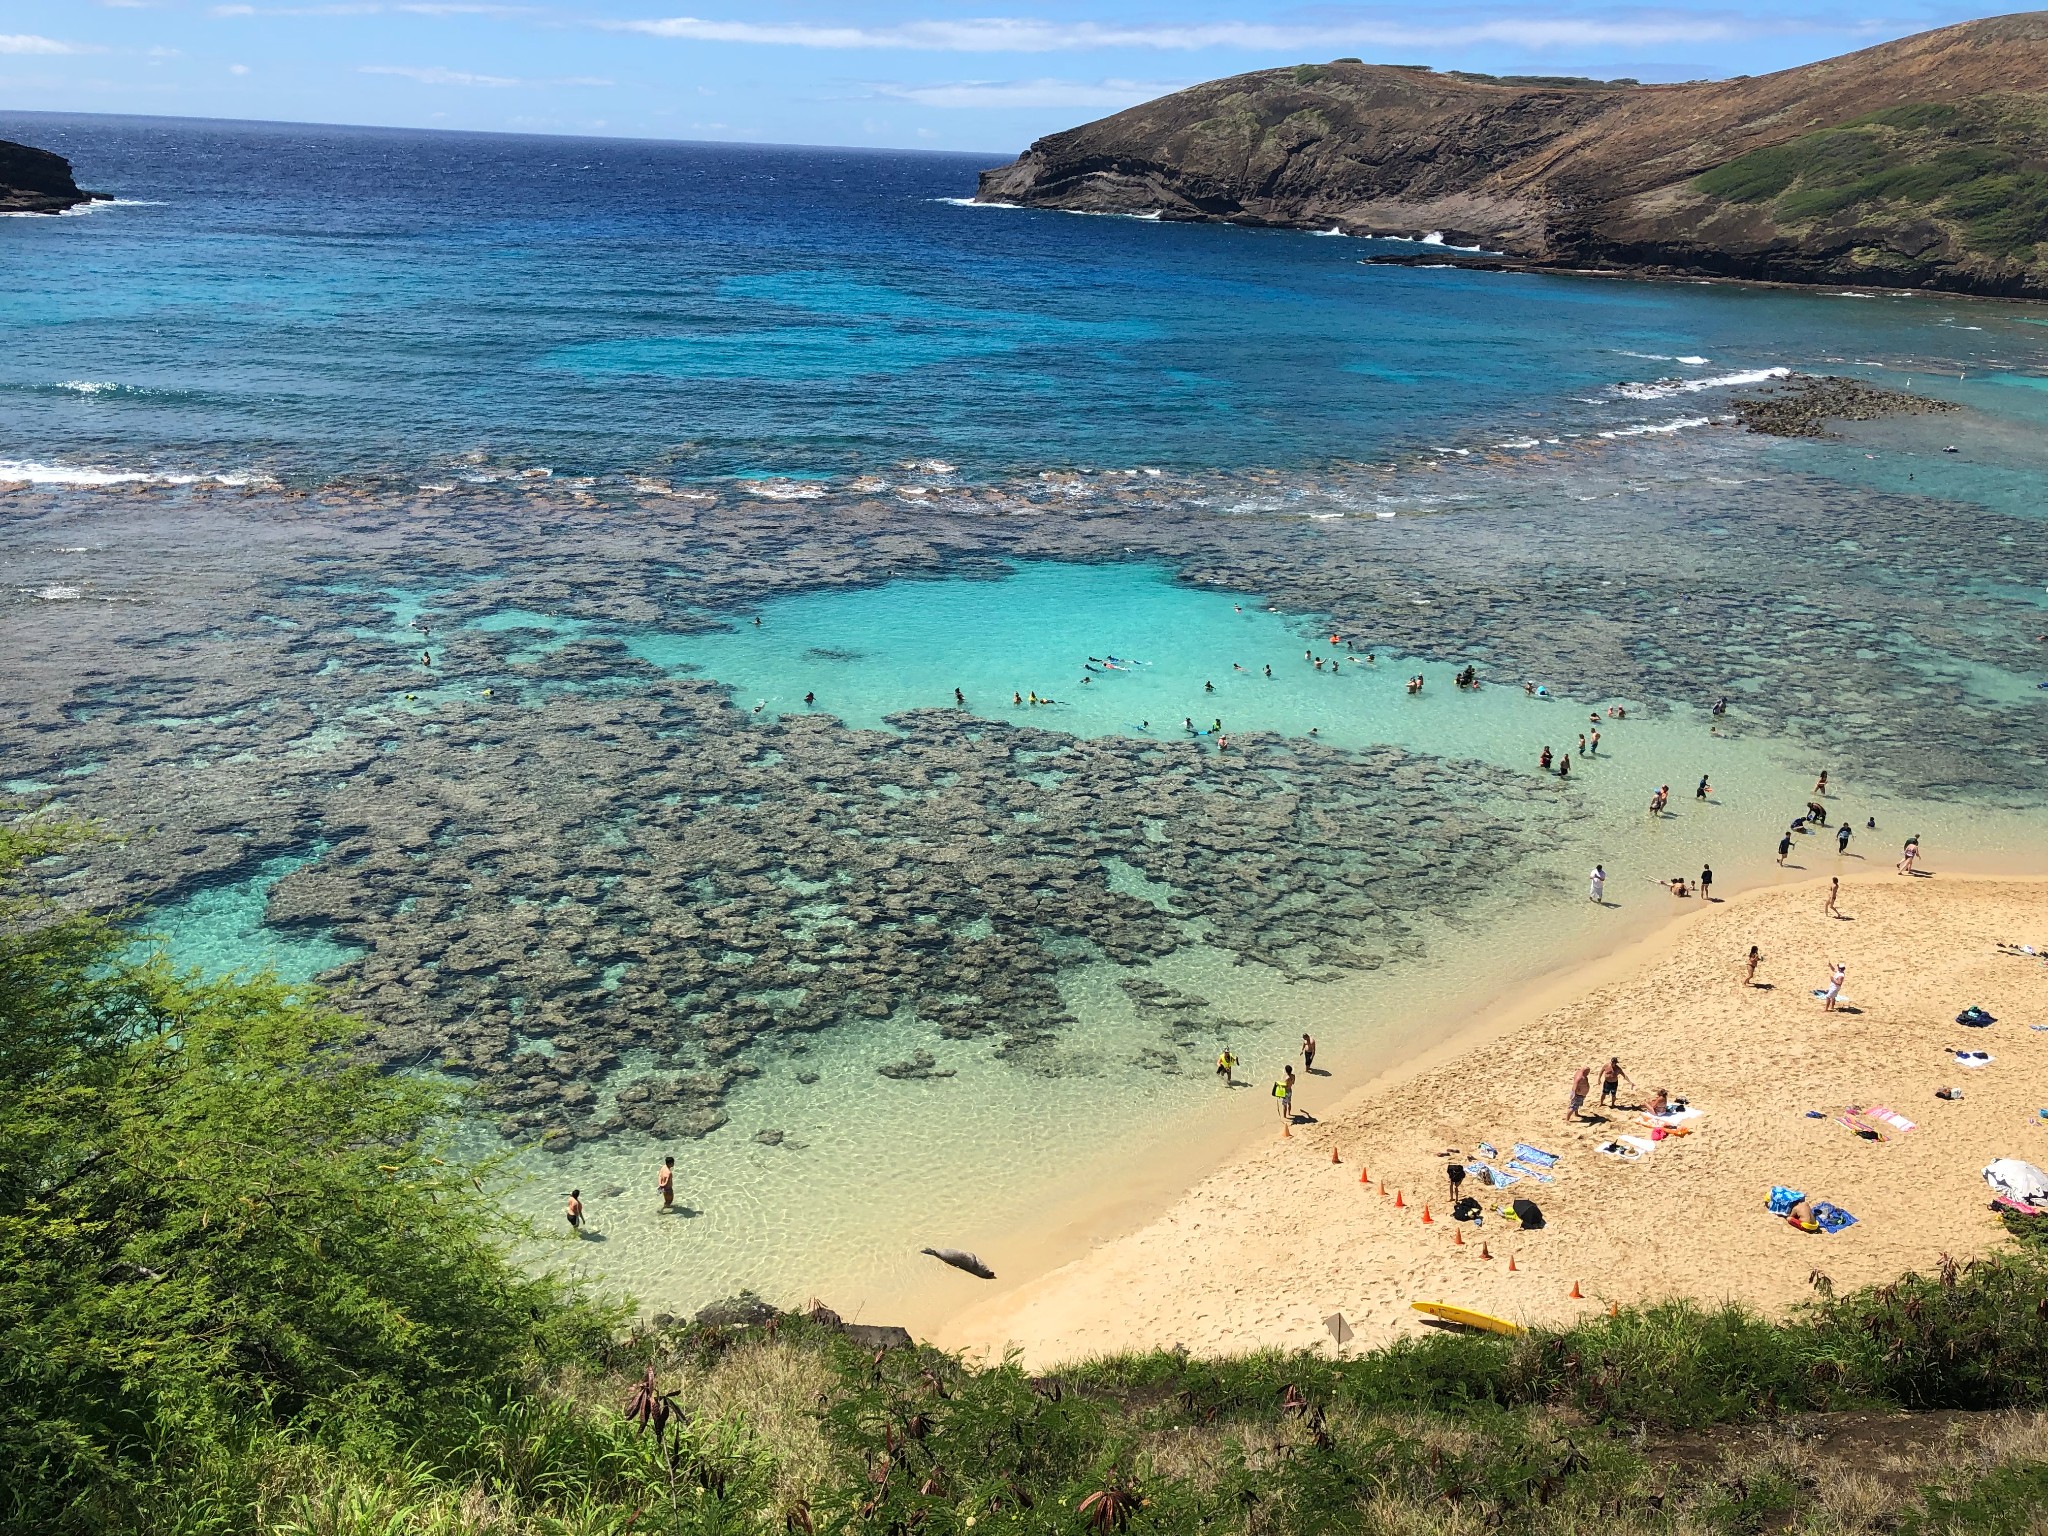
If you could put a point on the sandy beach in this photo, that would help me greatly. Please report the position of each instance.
(1262, 1250)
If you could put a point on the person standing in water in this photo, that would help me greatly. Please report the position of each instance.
(1842, 838)
(1284, 1092)
(575, 1212)
(1226, 1067)
(665, 1181)
(1597, 885)
(1706, 882)
(1704, 790)
(1784, 846)
(1308, 1053)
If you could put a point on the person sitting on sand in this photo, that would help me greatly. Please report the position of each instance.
(1678, 886)
(1660, 1103)
(1801, 1216)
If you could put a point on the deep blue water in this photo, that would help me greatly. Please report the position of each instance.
(312, 301)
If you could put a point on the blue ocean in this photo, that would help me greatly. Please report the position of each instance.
(313, 302)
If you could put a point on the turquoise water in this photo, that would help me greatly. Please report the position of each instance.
(221, 930)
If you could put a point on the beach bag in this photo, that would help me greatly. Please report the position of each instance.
(1466, 1209)
(1782, 1199)
(1975, 1018)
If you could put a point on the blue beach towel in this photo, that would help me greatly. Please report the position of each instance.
(1535, 1173)
(1832, 1218)
(1499, 1178)
(1534, 1157)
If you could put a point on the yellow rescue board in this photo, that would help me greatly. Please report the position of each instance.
(1465, 1317)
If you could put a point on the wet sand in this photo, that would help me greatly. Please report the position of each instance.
(1260, 1251)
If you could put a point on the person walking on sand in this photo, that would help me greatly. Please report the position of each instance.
(575, 1211)
(665, 1181)
(1834, 890)
(1582, 1085)
(1611, 1079)
(1308, 1053)
(1597, 884)
(1756, 958)
(1706, 882)
(1226, 1068)
(1833, 994)
(1911, 855)
(1284, 1092)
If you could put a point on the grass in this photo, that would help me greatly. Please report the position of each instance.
(1980, 166)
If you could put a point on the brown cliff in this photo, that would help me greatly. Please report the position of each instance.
(1918, 163)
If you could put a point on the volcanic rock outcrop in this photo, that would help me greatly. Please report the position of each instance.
(36, 181)
(1918, 163)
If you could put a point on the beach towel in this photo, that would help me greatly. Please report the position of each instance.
(1674, 1116)
(1625, 1153)
(1486, 1149)
(1535, 1173)
(1831, 1218)
(1974, 1058)
(1535, 1157)
(1853, 1118)
(1642, 1144)
(1499, 1178)
(1782, 1199)
(2016, 1207)
(1891, 1119)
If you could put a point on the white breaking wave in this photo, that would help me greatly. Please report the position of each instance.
(784, 490)
(973, 202)
(1664, 389)
(70, 474)
(89, 386)
(1643, 428)
(1436, 237)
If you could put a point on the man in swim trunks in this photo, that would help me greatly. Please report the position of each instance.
(575, 1212)
(665, 1181)
(1842, 838)
(1611, 1079)
(1784, 846)
(1284, 1092)
(1308, 1053)
(1582, 1085)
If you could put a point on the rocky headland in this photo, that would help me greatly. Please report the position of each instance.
(36, 181)
(1921, 163)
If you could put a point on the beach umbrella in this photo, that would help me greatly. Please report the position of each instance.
(2017, 1180)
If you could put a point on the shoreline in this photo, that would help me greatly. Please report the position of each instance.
(1100, 1284)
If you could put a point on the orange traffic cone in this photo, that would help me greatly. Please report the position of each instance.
(1399, 1203)
(1457, 1237)
(1614, 1309)
(1511, 1263)
(1334, 1157)
(1365, 1175)
(1427, 1219)
(1577, 1294)
(1487, 1253)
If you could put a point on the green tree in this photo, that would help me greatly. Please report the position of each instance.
(215, 1221)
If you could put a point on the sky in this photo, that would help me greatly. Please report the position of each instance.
(982, 75)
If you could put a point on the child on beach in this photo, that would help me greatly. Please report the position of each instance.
(1755, 959)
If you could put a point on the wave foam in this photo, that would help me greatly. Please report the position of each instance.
(1664, 389)
(36, 473)
(1646, 428)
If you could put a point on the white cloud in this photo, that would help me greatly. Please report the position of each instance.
(1005, 34)
(438, 76)
(435, 75)
(28, 42)
(1032, 93)
(238, 69)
